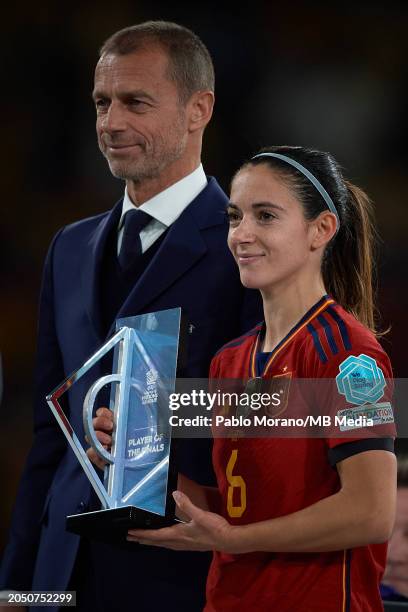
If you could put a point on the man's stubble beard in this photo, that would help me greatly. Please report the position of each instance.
(151, 163)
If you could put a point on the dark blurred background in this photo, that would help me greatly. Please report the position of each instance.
(326, 75)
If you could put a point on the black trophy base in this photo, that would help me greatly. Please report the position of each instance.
(112, 525)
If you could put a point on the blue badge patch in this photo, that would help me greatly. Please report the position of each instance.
(360, 380)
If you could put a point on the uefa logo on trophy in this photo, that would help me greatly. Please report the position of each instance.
(140, 474)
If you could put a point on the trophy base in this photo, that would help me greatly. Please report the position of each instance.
(113, 524)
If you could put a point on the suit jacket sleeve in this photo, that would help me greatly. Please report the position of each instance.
(47, 449)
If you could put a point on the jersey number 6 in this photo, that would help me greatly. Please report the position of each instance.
(235, 482)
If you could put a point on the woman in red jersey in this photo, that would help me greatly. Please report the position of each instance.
(298, 524)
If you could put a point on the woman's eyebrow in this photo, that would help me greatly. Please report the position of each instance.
(258, 205)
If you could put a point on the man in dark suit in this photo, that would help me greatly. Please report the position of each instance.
(154, 95)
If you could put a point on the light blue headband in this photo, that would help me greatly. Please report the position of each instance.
(308, 175)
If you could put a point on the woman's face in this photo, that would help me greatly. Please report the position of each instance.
(269, 235)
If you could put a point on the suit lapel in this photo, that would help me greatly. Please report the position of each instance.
(92, 267)
(181, 249)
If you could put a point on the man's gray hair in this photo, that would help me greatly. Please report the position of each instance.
(190, 64)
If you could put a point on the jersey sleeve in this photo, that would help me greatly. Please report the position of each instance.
(214, 368)
(355, 388)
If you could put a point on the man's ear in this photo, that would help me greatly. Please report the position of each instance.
(324, 228)
(200, 108)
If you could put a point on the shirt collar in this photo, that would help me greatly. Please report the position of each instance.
(168, 205)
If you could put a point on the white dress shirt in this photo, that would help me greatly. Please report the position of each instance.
(165, 207)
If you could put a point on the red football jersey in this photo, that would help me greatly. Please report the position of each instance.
(263, 478)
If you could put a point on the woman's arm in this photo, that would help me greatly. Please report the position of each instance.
(361, 513)
(206, 498)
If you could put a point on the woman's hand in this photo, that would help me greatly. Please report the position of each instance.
(205, 531)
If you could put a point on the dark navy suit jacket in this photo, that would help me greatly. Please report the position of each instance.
(192, 269)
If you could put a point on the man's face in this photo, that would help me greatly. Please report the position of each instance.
(140, 123)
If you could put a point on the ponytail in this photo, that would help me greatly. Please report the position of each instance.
(348, 265)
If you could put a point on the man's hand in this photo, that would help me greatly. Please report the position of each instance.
(103, 426)
(205, 531)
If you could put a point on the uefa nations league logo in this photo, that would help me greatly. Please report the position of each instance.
(360, 380)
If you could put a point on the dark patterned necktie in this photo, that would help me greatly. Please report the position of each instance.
(131, 249)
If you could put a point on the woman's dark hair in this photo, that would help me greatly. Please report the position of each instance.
(348, 263)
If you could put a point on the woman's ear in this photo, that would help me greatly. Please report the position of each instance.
(324, 228)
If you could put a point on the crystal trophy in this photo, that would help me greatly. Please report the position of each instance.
(140, 472)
